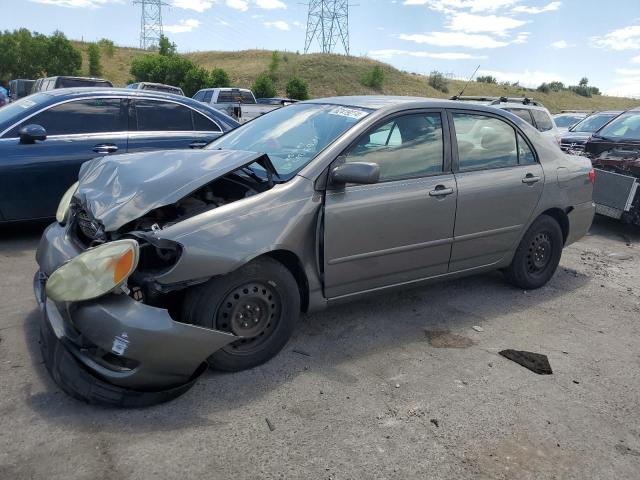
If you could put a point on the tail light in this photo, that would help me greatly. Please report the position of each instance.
(592, 176)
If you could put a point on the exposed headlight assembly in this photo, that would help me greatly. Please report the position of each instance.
(94, 272)
(65, 202)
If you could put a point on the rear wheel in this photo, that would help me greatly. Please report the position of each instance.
(259, 303)
(538, 254)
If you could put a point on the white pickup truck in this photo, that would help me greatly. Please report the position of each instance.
(240, 103)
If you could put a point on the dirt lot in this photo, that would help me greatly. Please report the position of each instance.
(399, 386)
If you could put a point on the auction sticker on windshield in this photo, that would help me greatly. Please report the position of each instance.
(348, 112)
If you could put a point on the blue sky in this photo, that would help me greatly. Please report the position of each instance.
(530, 41)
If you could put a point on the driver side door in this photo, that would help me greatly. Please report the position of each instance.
(400, 229)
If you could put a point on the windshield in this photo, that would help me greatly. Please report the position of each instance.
(565, 121)
(593, 122)
(625, 126)
(8, 112)
(292, 136)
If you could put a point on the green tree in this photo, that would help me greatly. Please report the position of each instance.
(107, 46)
(95, 67)
(556, 86)
(297, 89)
(195, 79)
(166, 47)
(374, 78)
(273, 66)
(263, 87)
(62, 57)
(219, 78)
(438, 81)
(544, 88)
(486, 79)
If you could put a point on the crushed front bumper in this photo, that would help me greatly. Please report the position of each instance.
(115, 350)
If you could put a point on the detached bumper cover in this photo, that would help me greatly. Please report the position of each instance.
(113, 349)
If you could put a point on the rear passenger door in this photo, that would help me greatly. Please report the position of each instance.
(162, 125)
(499, 184)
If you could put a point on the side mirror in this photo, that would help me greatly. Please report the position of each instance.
(31, 133)
(355, 172)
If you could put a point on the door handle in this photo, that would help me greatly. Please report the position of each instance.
(105, 149)
(440, 191)
(530, 179)
(198, 144)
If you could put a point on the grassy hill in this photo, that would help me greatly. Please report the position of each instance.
(329, 75)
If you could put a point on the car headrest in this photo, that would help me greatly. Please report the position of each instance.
(499, 142)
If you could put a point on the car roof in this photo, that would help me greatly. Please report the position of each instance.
(99, 91)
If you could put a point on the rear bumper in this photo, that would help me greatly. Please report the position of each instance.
(113, 349)
(580, 220)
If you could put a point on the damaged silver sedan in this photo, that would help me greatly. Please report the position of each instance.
(163, 263)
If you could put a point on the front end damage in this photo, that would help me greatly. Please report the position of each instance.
(129, 346)
(617, 188)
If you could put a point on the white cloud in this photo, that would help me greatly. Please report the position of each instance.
(627, 84)
(183, 26)
(450, 6)
(454, 39)
(560, 44)
(469, 23)
(635, 59)
(390, 53)
(550, 7)
(270, 4)
(279, 24)
(195, 5)
(628, 71)
(526, 78)
(627, 38)
(242, 5)
(76, 3)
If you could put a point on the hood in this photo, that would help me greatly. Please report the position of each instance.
(118, 189)
(575, 137)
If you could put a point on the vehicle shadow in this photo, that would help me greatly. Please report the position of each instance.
(323, 343)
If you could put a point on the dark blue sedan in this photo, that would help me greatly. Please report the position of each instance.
(45, 137)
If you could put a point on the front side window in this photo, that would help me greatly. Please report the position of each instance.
(543, 120)
(292, 136)
(95, 115)
(162, 116)
(626, 125)
(484, 142)
(406, 147)
(199, 96)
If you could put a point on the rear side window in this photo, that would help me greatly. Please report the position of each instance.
(162, 116)
(96, 115)
(543, 120)
(408, 146)
(203, 124)
(484, 142)
(247, 97)
(522, 113)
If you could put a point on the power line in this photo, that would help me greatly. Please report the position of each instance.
(328, 22)
(150, 22)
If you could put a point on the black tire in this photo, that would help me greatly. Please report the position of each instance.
(537, 256)
(260, 302)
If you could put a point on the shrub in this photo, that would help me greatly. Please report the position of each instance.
(107, 46)
(166, 47)
(556, 86)
(297, 89)
(583, 88)
(93, 52)
(273, 66)
(263, 87)
(195, 79)
(437, 81)
(171, 70)
(487, 79)
(219, 78)
(374, 78)
(544, 88)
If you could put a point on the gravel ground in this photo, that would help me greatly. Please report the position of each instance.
(399, 386)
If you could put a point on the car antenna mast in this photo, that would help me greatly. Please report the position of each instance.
(465, 85)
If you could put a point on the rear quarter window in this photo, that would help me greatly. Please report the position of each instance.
(543, 120)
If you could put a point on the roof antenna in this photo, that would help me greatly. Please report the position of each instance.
(465, 85)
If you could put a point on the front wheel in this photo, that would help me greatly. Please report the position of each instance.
(259, 302)
(537, 256)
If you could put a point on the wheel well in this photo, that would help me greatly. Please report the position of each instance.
(561, 217)
(291, 261)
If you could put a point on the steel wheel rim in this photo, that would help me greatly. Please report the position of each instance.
(252, 312)
(540, 253)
